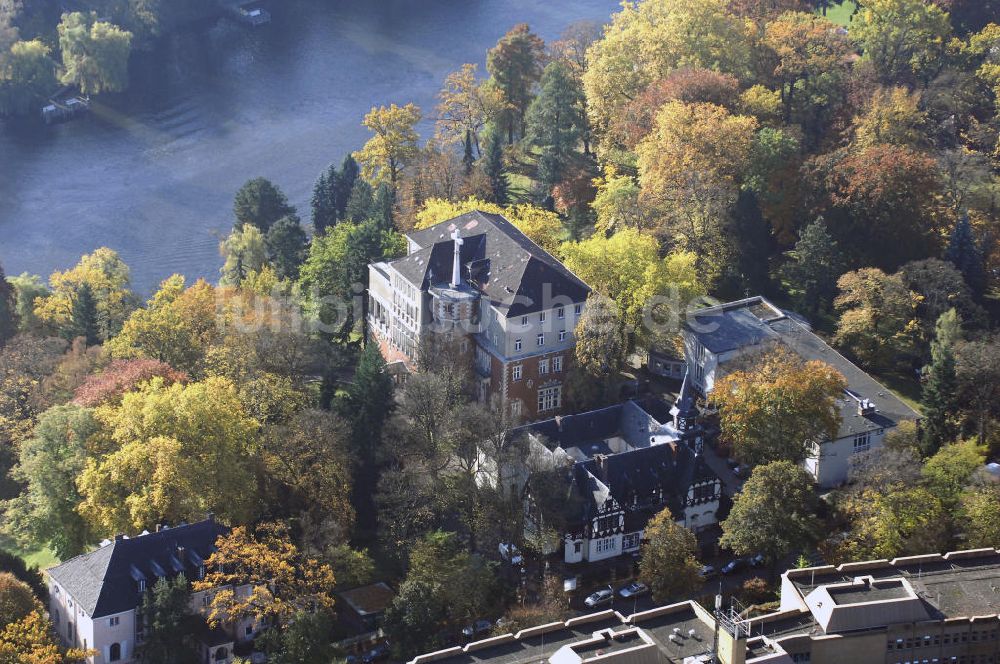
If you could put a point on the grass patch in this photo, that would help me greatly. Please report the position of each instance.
(41, 558)
(841, 14)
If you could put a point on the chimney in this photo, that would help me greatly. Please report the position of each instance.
(456, 266)
(119, 537)
(159, 527)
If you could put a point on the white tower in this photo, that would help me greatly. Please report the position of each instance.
(456, 270)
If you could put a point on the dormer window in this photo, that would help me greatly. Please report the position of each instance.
(142, 585)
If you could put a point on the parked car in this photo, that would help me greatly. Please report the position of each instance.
(707, 572)
(602, 596)
(733, 566)
(757, 560)
(477, 628)
(378, 653)
(510, 554)
(634, 589)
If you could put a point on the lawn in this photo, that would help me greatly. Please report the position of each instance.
(841, 14)
(40, 558)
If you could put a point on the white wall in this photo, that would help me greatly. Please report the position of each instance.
(832, 466)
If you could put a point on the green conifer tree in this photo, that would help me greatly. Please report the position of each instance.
(941, 386)
(494, 169)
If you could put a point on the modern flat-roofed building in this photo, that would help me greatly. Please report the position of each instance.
(932, 609)
(721, 337)
(508, 306)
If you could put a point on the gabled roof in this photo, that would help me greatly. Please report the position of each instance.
(498, 260)
(105, 581)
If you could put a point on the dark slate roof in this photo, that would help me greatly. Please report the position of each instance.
(634, 420)
(753, 320)
(105, 582)
(500, 261)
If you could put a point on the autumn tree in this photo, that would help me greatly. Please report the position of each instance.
(809, 58)
(393, 144)
(779, 407)
(892, 116)
(951, 469)
(176, 327)
(17, 600)
(978, 369)
(668, 564)
(876, 316)
(282, 580)
(244, 252)
(774, 514)
(690, 167)
(174, 453)
(48, 464)
(627, 267)
(32, 640)
(467, 105)
(107, 278)
(27, 76)
(903, 39)
(903, 521)
(646, 41)
(980, 514)
(94, 53)
(515, 65)
(601, 348)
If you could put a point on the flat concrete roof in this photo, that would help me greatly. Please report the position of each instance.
(534, 648)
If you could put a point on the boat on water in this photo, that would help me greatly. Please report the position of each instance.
(251, 14)
(63, 110)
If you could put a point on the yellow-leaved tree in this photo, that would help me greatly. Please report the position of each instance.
(169, 454)
(261, 574)
(393, 144)
(542, 226)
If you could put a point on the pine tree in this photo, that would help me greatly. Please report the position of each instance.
(382, 207)
(85, 316)
(323, 210)
(556, 122)
(963, 251)
(941, 386)
(8, 309)
(468, 159)
(493, 168)
(360, 203)
(349, 172)
(813, 267)
(370, 402)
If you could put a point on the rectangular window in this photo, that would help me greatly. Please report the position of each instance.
(516, 372)
(524, 320)
(541, 317)
(549, 398)
(577, 309)
(541, 339)
(517, 344)
(515, 407)
(561, 312)
(113, 621)
(862, 442)
(562, 335)
(543, 367)
(630, 541)
(557, 364)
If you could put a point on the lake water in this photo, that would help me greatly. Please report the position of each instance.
(152, 173)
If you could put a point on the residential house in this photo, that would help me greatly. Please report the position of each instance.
(720, 338)
(508, 307)
(611, 470)
(930, 609)
(362, 609)
(95, 599)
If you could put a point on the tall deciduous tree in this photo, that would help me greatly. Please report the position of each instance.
(774, 514)
(978, 368)
(779, 406)
(467, 106)
(27, 75)
(980, 511)
(176, 453)
(94, 53)
(877, 314)
(903, 521)
(903, 39)
(515, 64)
(393, 144)
(286, 244)
(49, 463)
(282, 580)
(668, 564)
(259, 202)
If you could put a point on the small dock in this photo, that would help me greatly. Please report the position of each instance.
(248, 13)
(65, 109)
